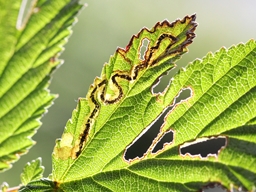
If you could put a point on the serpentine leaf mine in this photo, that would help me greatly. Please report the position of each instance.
(160, 44)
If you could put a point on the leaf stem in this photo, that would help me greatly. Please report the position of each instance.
(13, 189)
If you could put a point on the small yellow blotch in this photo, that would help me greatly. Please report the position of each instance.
(64, 147)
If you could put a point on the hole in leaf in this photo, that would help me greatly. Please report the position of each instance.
(183, 95)
(213, 187)
(204, 147)
(143, 48)
(166, 139)
(143, 142)
(164, 80)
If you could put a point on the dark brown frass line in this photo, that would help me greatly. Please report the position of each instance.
(89, 120)
(138, 68)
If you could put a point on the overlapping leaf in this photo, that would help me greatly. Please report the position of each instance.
(28, 54)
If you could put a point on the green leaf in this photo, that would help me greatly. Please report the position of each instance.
(121, 106)
(44, 185)
(28, 54)
(32, 171)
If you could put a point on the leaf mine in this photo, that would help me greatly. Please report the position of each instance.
(207, 100)
(111, 87)
(64, 150)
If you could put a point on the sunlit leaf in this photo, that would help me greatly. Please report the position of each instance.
(32, 171)
(44, 185)
(121, 107)
(28, 54)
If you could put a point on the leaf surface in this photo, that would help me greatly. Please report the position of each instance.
(32, 171)
(121, 106)
(28, 54)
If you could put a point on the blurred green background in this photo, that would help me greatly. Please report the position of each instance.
(105, 24)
